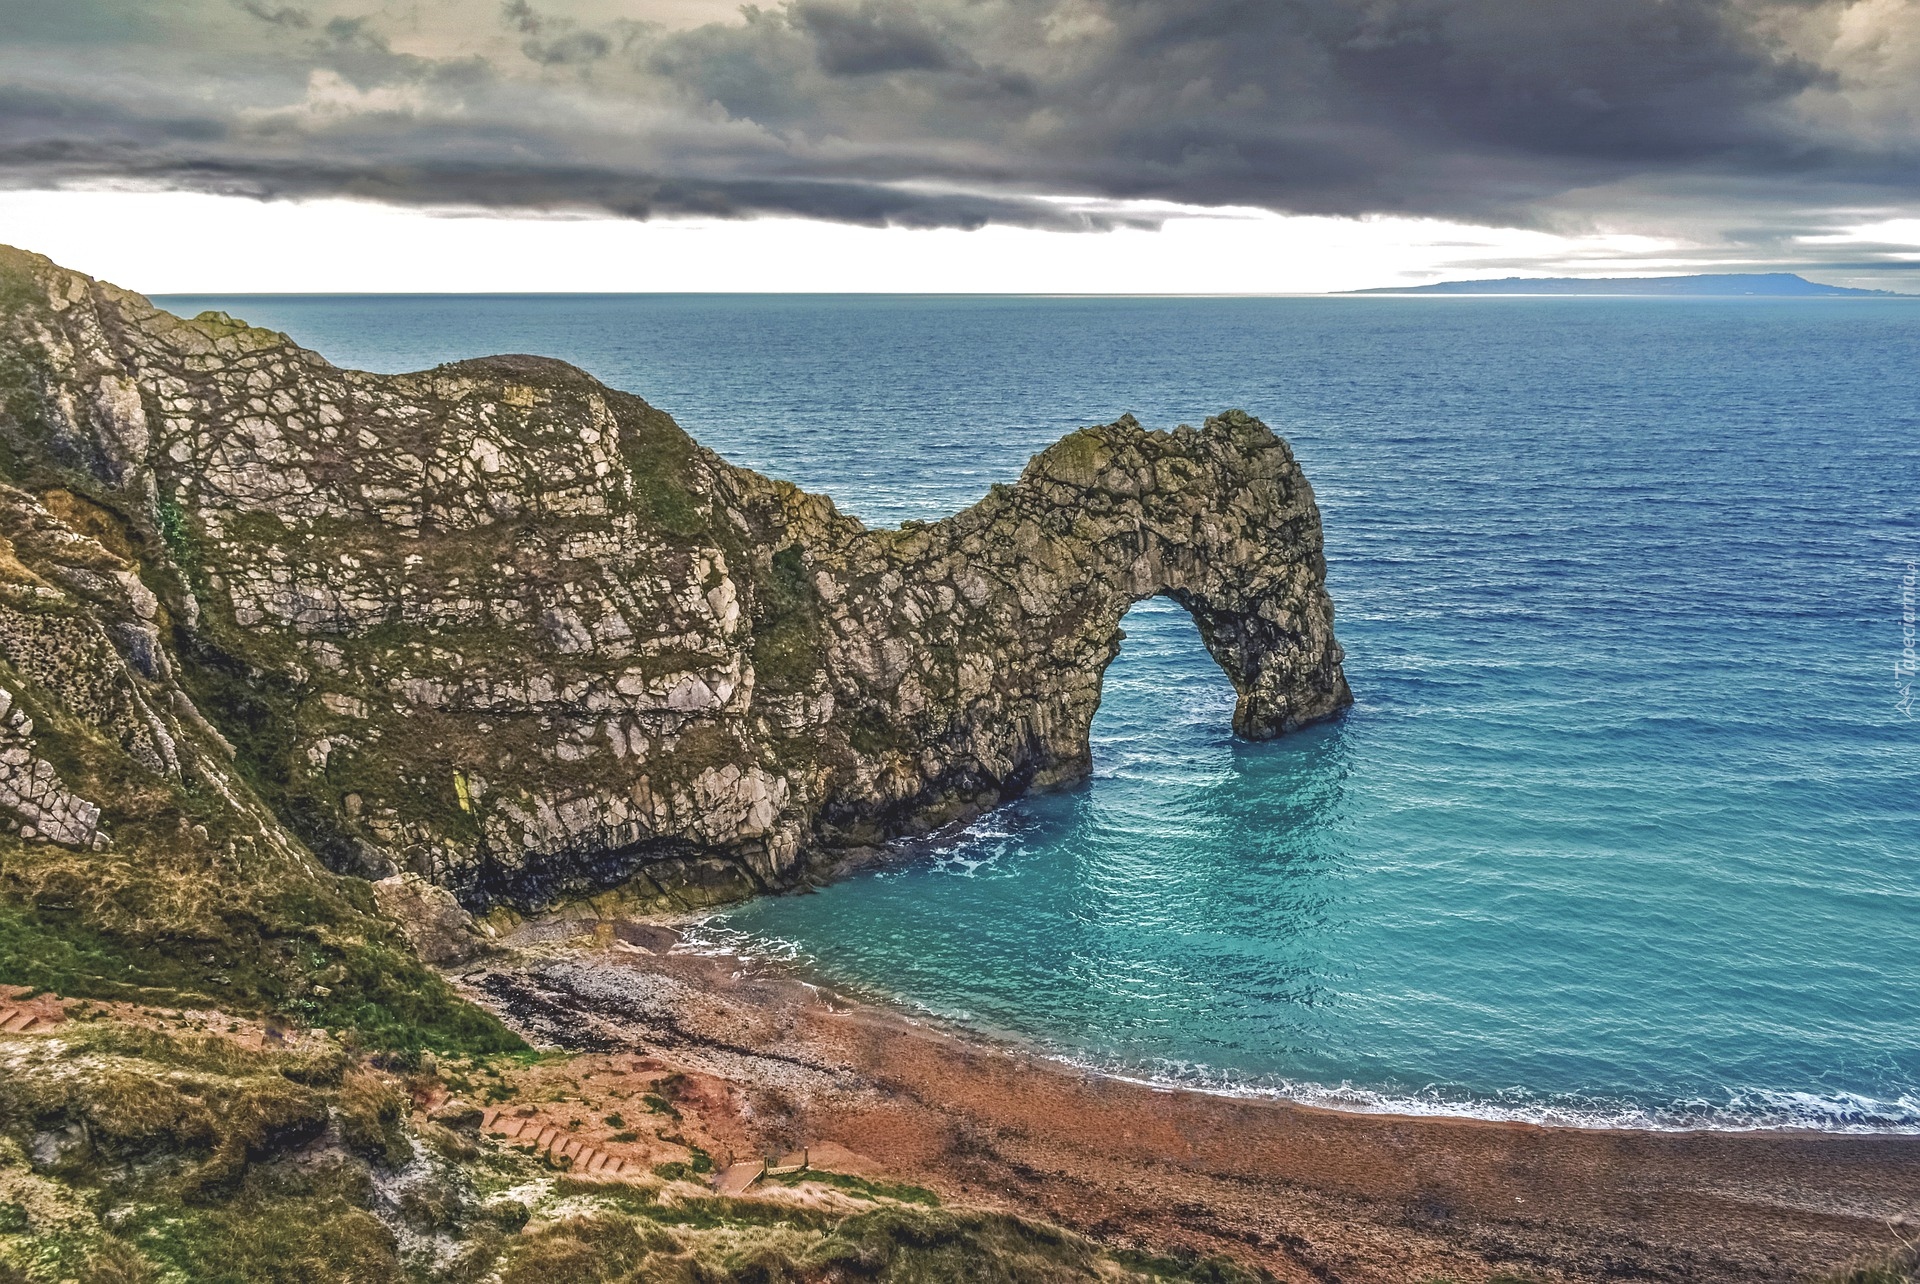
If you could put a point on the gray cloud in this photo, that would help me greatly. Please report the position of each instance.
(961, 112)
(552, 42)
(870, 40)
(284, 16)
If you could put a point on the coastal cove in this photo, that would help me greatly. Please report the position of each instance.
(1619, 830)
(1300, 1192)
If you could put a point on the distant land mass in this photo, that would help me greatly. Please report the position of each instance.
(1712, 284)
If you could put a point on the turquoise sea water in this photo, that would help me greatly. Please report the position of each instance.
(1624, 825)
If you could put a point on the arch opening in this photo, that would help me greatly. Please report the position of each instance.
(1162, 682)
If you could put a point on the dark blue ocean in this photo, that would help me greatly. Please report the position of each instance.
(1625, 825)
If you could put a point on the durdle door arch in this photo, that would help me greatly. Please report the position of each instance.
(1004, 617)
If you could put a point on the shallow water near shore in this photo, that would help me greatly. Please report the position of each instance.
(1622, 828)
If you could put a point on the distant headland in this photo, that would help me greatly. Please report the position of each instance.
(1703, 285)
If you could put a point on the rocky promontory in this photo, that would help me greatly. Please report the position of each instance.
(500, 626)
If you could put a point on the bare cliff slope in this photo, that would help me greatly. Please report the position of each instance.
(512, 630)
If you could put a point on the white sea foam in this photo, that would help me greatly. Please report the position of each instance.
(966, 864)
(714, 937)
(1738, 1110)
(1734, 1110)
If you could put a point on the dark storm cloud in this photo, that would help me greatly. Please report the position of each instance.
(533, 188)
(959, 112)
(869, 40)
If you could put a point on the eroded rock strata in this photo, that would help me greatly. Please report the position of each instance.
(504, 627)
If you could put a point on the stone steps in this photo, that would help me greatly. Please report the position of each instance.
(18, 1020)
(558, 1144)
(735, 1179)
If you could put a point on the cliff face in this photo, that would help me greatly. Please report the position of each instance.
(507, 628)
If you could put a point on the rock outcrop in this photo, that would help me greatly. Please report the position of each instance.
(503, 627)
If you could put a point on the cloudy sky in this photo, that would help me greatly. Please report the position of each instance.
(1154, 145)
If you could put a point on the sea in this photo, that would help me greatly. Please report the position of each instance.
(1623, 828)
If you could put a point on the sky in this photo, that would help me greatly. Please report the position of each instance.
(1071, 146)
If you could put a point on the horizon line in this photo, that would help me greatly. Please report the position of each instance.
(1377, 292)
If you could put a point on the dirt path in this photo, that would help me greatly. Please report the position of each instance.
(1308, 1194)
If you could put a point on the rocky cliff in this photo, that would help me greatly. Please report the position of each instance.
(512, 630)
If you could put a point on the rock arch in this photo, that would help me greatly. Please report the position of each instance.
(977, 644)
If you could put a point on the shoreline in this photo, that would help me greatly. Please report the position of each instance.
(1306, 1192)
(973, 1029)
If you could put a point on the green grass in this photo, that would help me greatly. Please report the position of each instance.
(38, 949)
(381, 995)
(873, 735)
(192, 905)
(735, 1244)
(176, 532)
(217, 1159)
(788, 645)
(659, 460)
(281, 1226)
(691, 1169)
